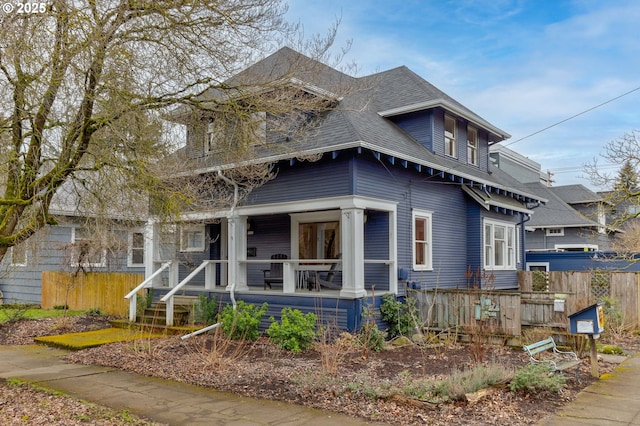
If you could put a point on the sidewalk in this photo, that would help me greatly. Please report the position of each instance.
(613, 400)
(160, 400)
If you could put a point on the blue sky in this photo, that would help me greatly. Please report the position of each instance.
(523, 65)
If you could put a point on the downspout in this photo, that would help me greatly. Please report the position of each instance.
(523, 234)
(233, 284)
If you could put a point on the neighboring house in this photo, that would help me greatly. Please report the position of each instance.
(572, 220)
(398, 190)
(70, 246)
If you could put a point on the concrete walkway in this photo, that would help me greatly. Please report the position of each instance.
(162, 401)
(611, 401)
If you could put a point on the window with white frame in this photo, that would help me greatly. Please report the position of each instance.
(136, 249)
(472, 146)
(499, 245)
(192, 238)
(19, 254)
(421, 237)
(555, 232)
(87, 251)
(450, 136)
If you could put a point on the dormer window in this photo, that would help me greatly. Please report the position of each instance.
(472, 146)
(450, 148)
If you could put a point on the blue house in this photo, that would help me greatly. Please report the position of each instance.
(393, 185)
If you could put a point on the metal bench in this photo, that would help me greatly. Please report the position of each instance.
(560, 361)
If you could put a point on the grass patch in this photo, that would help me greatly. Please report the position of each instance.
(9, 313)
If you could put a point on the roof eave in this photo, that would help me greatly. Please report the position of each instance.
(450, 106)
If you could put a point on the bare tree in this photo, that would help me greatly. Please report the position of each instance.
(84, 86)
(622, 193)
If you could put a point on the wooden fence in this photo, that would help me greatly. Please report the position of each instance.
(102, 290)
(506, 312)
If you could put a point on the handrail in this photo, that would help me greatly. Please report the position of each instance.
(144, 283)
(186, 280)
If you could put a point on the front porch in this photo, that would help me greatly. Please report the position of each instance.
(349, 242)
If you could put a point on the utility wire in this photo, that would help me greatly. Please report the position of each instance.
(573, 116)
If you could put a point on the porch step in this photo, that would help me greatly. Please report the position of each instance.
(157, 313)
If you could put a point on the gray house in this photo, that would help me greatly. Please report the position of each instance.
(392, 187)
(571, 220)
(74, 244)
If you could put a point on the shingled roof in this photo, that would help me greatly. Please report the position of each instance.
(360, 119)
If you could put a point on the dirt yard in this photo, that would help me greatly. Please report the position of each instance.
(352, 382)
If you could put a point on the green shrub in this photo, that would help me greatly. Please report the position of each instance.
(537, 378)
(206, 310)
(401, 317)
(295, 331)
(94, 312)
(371, 337)
(242, 323)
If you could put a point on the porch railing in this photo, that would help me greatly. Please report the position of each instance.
(209, 284)
(148, 282)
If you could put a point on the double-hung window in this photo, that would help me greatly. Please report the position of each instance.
(472, 146)
(88, 250)
(499, 245)
(421, 237)
(192, 238)
(136, 249)
(450, 148)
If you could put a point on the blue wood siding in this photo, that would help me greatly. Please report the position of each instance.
(346, 314)
(582, 261)
(376, 246)
(304, 181)
(412, 190)
(419, 125)
(272, 235)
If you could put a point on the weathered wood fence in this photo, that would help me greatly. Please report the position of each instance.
(103, 290)
(506, 312)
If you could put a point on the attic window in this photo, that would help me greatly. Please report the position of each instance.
(555, 232)
(450, 148)
(472, 146)
(224, 133)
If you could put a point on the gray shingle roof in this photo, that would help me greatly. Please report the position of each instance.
(357, 123)
(556, 212)
(576, 194)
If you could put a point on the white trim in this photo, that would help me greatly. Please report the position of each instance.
(12, 249)
(475, 148)
(561, 247)
(510, 258)
(453, 139)
(449, 106)
(545, 264)
(103, 252)
(549, 233)
(428, 217)
(298, 218)
(130, 248)
(192, 228)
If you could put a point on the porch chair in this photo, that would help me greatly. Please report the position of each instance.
(315, 282)
(274, 275)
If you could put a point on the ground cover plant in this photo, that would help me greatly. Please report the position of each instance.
(414, 384)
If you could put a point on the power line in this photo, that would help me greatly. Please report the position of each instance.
(573, 116)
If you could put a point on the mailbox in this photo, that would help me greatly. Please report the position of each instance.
(589, 320)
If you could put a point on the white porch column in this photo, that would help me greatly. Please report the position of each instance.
(352, 236)
(237, 227)
(152, 258)
(393, 253)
